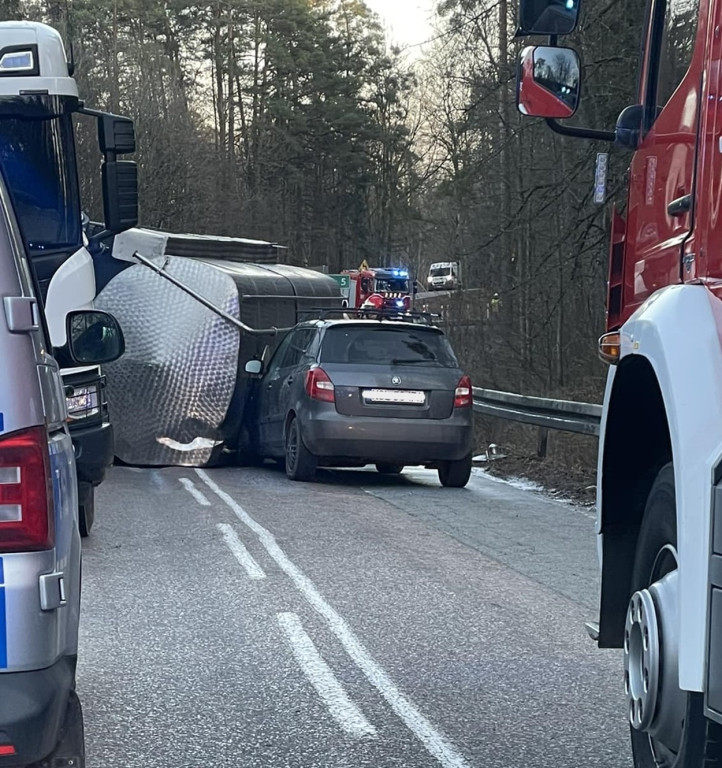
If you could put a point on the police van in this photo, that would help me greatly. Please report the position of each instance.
(40, 549)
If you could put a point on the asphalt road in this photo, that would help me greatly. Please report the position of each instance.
(233, 618)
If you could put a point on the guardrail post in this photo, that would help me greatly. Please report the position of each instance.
(541, 446)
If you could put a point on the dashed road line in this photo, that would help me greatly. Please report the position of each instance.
(244, 557)
(322, 678)
(187, 483)
(434, 742)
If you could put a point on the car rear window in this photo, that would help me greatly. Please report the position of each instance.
(385, 345)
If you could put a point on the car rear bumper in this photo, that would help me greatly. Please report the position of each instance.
(32, 708)
(330, 435)
(94, 450)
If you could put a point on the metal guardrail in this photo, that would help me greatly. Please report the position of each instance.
(564, 415)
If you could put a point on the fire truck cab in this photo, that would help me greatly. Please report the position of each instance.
(391, 284)
(659, 494)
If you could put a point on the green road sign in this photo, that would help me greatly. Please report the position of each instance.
(344, 281)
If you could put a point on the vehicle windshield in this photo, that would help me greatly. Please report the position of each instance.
(37, 159)
(392, 285)
(440, 271)
(386, 345)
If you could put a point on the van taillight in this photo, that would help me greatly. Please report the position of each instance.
(319, 386)
(26, 492)
(463, 394)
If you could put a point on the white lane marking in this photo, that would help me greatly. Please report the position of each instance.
(244, 557)
(435, 743)
(187, 483)
(322, 678)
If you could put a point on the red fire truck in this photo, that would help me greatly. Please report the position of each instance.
(659, 495)
(387, 288)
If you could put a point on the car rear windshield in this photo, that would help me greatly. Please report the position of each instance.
(386, 345)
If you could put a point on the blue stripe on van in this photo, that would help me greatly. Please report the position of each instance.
(3, 622)
(2, 425)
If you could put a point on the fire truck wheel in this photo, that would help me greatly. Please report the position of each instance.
(390, 469)
(667, 725)
(455, 474)
(300, 462)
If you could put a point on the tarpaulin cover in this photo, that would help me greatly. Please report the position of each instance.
(169, 393)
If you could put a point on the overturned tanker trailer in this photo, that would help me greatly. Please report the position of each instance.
(191, 323)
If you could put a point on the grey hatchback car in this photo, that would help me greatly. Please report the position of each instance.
(356, 392)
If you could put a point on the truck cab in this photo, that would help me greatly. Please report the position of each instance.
(659, 487)
(38, 103)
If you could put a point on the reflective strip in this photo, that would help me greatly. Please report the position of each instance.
(3, 622)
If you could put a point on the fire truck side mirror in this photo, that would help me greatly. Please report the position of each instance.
(629, 127)
(548, 82)
(120, 195)
(547, 17)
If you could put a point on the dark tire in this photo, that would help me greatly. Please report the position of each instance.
(86, 508)
(300, 462)
(701, 741)
(389, 469)
(71, 747)
(455, 474)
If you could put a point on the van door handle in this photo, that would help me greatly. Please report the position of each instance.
(289, 380)
(680, 206)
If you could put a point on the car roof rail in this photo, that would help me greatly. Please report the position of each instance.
(384, 314)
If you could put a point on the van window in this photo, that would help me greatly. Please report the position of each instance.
(383, 346)
(676, 46)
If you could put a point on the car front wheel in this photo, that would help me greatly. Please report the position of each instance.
(300, 462)
(455, 474)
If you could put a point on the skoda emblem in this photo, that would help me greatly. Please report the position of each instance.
(396, 380)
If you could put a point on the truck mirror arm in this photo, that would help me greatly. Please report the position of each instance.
(581, 133)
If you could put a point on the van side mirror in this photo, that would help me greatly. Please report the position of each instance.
(547, 17)
(548, 82)
(254, 367)
(93, 338)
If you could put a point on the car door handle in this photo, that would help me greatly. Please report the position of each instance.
(289, 380)
(680, 206)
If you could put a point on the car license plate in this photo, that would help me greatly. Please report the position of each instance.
(394, 396)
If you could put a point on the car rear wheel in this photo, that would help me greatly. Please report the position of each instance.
(86, 508)
(455, 474)
(390, 469)
(300, 462)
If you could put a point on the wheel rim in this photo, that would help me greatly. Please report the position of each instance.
(292, 447)
(655, 703)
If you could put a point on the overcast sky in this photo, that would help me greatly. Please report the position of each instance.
(407, 21)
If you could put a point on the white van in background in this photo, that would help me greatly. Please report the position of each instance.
(444, 276)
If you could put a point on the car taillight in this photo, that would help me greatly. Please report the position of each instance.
(26, 493)
(319, 386)
(463, 394)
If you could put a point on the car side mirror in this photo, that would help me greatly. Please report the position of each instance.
(547, 17)
(548, 82)
(93, 337)
(254, 367)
